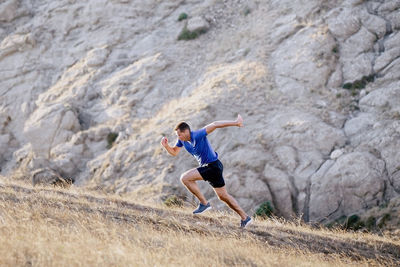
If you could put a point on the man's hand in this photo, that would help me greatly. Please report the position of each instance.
(221, 124)
(164, 141)
(239, 121)
(171, 150)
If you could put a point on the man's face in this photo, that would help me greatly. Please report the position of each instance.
(183, 135)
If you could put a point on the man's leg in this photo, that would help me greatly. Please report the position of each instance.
(230, 201)
(189, 179)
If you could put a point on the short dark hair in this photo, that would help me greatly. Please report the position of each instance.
(182, 126)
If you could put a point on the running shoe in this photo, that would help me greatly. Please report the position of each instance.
(202, 208)
(247, 221)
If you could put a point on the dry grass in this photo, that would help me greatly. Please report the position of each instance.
(51, 227)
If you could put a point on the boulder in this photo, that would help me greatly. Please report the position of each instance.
(8, 10)
(97, 57)
(374, 24)
(281, 190)
(303, 62)
(386, 58)
(343, 23)
(14, 43)
(356, 181)
(50, 126)
(197, 24)
(46, 176)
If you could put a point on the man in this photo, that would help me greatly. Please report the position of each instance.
(210, 170)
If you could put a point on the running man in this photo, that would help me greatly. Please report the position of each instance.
(210, 170)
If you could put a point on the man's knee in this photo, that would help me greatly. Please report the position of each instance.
(223, 197)
(185, 178)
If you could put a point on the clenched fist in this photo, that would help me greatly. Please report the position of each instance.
(164, 141)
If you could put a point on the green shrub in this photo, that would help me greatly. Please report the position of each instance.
(335, 49)
(246, 11)
(173, 201)
(111, 137)
(265, 210)
(384, 219)
(187, 35)
(354, 222)
(370, 223)
(359, 84)
(182, 16)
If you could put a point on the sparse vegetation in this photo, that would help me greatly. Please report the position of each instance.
(383, 220)
(247, 11)
(265, 210)
(335, 49)
(353, 222)
(111, 137)
(182, 16)
(370, 223)
(359, 84)
(173, 201)
(189, 35)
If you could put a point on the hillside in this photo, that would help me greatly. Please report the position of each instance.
(88, 88)
(44, 226)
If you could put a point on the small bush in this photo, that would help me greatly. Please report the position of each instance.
(111, 137)
(182, 16)
(383, 220)
(335, 49)
(247, 11)
(353, 222)
(370, 223)
(187, 35)
(246, 52)
(359, 84)
(265, 210)
(173, 201)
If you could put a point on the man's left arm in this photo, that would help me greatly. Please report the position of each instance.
(221, 124)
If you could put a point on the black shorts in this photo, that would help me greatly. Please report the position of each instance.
(212, 173)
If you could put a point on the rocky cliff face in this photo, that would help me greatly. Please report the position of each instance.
(89, 88)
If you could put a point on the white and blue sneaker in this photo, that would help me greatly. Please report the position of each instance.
(202, 208)
(246, 222)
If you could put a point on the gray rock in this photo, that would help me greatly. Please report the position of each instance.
(97, 57)
(386, 58)
(389, 6)
(374, 24)
(343, 23)
(279, 184)
(198, 24)
(48, 127)
(287, 157)
(392, 41)
(359, 124)
(8, 10)
(336, 154)
(303, 62)
(362, 41)
(354, 182)
(381, 99)
(356, 68)
(394, 19)
(48, 176)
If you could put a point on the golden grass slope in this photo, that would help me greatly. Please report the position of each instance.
(54, 227)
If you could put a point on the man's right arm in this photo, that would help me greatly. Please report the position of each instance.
(174, 151)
